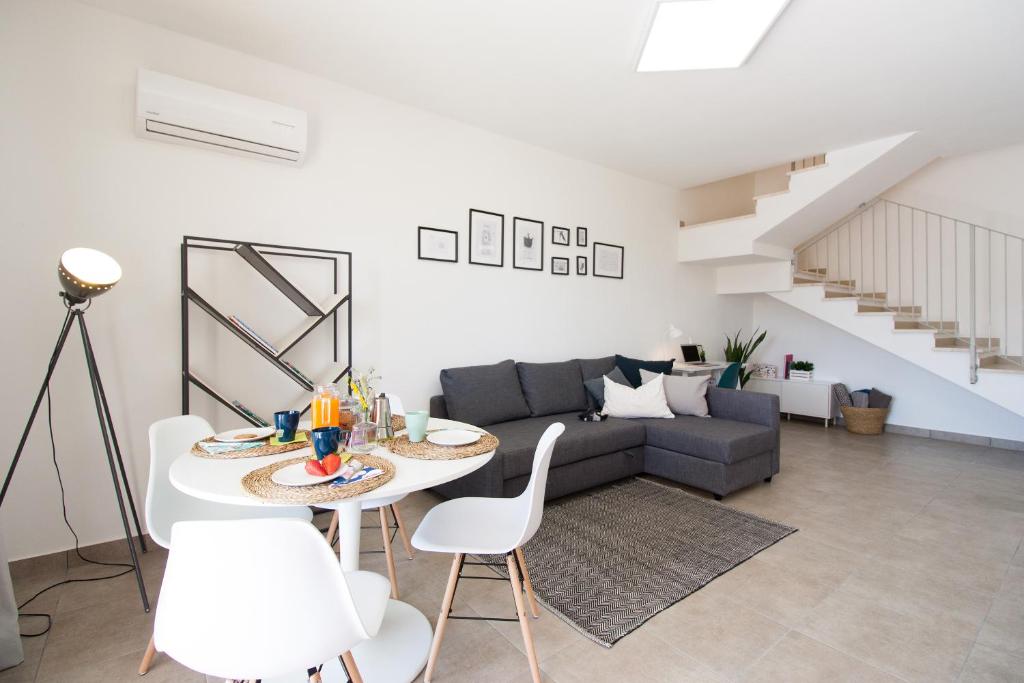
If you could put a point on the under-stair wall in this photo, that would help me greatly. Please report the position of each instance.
(924, 402)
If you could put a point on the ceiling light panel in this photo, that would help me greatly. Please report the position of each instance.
(707, 34)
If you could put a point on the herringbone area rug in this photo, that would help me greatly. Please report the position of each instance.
(608, 560)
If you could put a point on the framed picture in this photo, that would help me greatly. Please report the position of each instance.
(581, 265)
(486, 238)
(581, 237)
(528, 244)
(608, 259)
(438, 245)
(559, 265)
(560, 236)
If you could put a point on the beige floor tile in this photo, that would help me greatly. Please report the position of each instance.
(1003, 629)
(986, 665)
(808, 557)
(974, 540)
(908, 647)
(922, 595)
(904, 555)
(783, 596)
(717, 632)
(124, 668)
(33, 651)
(799, 659)
(639, 657)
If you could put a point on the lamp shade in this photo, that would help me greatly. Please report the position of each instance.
(85, 273)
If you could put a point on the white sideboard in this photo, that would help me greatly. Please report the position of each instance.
(813, 399)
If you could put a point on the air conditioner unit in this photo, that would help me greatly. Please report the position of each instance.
(183, 112)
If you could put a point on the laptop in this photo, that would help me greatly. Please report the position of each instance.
(691, 354)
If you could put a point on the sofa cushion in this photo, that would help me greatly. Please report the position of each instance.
(484, 394)
(552, 388)
(596, 367)
(631, 367)
(581, 440)
(724, 441)
(685, 395)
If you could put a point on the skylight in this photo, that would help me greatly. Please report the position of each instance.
(707, 34)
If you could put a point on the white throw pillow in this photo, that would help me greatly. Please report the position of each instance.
(684, 395)
(647, 400)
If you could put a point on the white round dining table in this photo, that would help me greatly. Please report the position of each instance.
(399, 650)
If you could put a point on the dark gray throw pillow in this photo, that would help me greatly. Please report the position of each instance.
(484, 394)
(595, 386)
(878, 399)
(552, 388)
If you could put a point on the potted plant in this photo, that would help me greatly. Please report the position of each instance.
(740, 352)
(801, 371)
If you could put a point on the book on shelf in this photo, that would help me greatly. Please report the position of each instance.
(248, 413)
(252, 334)
(298, 372)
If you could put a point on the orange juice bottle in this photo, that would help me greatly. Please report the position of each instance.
(323, 409)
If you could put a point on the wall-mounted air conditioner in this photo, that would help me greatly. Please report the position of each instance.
(175, 110)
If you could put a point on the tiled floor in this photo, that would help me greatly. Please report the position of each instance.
(908, 566)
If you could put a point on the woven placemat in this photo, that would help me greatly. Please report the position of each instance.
(265, 449)
(259, 484)
(424, 450)
(398, 422)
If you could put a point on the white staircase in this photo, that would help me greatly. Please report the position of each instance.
(941, 293)
(817, 195)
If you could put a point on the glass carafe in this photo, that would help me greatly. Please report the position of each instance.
(323, 410)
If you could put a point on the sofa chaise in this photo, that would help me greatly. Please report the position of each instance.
(738, 445)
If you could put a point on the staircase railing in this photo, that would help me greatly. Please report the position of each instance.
(935, 272)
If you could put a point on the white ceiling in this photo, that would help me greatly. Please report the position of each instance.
(560, 73)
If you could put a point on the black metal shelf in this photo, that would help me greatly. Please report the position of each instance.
(254, 253)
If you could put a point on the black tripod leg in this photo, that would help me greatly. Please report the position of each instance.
(91, 363)
(113, 436)
(35, 408)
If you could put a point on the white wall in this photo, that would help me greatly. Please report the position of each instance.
(73, 173)
(725, 198)
(922, 399)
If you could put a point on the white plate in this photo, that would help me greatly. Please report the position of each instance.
(453, 437)
(245, 434)
(296, 475)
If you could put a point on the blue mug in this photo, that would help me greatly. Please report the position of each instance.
(286, 422)
(326, 441)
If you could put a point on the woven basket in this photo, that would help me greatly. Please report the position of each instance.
(864, 420)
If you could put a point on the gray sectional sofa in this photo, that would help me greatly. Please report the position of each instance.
(736, 447)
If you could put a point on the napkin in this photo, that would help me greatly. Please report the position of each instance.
(300, 437)
(365, 473)
(217, 448)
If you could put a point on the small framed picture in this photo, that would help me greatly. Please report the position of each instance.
(438, 245)
(581, 237)
(560, 236)
(608, 260)
(528, 244)
(581, 265)
(486, 238)
(559, 265)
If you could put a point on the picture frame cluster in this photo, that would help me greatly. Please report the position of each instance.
(487, 246)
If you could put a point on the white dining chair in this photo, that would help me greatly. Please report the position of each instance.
(165, 504)
(491, 526)
(258, 598)
(382, 506)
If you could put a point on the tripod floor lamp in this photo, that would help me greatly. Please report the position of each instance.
(85, 274)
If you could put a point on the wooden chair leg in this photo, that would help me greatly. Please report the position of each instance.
(332, 529)
(401, 531)
(349, 663)
(534, 610)
(442, 619)
(385, 531)
(524, 621)
(147, 659)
